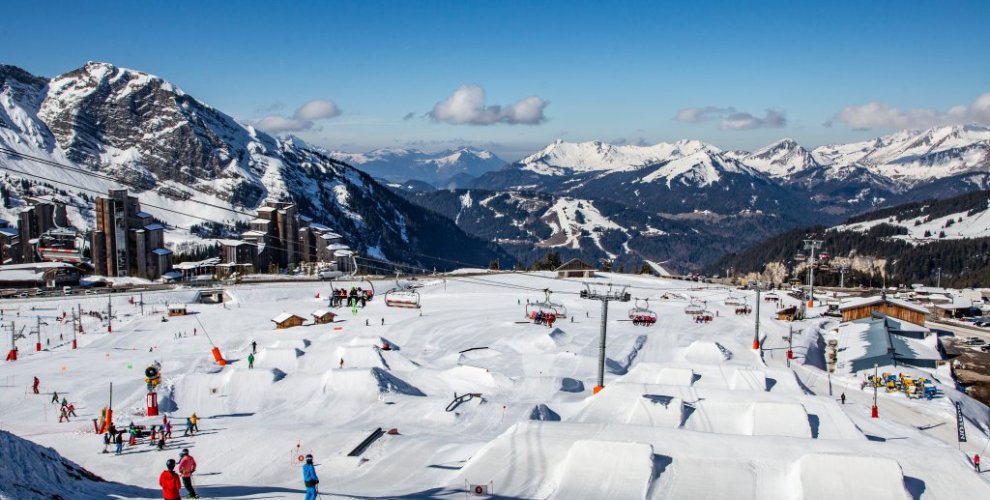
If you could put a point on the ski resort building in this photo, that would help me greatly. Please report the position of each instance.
(865, 307)
(39, 275)
(9, 243)
(575, 268)
(128, 241)
(885, 341)
(286, 320)
(41, 214)
(323, 316)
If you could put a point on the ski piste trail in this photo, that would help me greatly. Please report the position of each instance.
(689, 410)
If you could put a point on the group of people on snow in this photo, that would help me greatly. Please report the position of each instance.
(543, 318)
(171, 482)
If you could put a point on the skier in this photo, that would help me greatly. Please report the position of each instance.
(189, 427)
(842, 398)
(169, 481)
(119, 440)
(195, 422)
(161, 442)
(63, 414)
(36, 385)
(168, 431)
(383, 321)
(187, 465)
(309, 478)
(254, 347)
(976, 462)
(106, 441)
(55, 398)
(71, 408)
(250, 361)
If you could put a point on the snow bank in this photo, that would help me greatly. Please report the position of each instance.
(286, 359)
(364, 384)
(849, 477)
(610, 469)
(33, 472)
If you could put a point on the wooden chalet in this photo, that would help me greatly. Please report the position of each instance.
(286, 320)
(177, 310)
(864, 307)
(787, 314)
(323, 316)
(575, 268)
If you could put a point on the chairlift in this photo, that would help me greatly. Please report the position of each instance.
(643, 315)
(545, 306)
(733, 300)
(61, 244)
(337, 300)
(403, 295)
(694, 309)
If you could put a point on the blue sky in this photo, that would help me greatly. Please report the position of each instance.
(738, 75)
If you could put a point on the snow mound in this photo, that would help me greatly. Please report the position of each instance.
(290, 344)
(704, 353)
(760, 418)
(285, 359)
(466, 378)
(627, 404)
(652, 373)
(33, 472)
(849, 477)
(610, 469)
(361, 383)
(748, 379)
(360, 356)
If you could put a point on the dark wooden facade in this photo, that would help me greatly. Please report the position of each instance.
(886, 308)
(289, 322)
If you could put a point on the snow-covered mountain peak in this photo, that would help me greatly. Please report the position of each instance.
(562, 158)
(781, 159)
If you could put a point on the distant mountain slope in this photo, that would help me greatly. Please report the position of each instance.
(400, 165)
(194, 162)
(898, 245)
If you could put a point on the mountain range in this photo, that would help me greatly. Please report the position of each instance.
(686, 203)
(192, 166)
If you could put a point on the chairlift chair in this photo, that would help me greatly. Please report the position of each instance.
(733, 300)
(61, 245)
(642, 315)
(545, 306)
(402, 297)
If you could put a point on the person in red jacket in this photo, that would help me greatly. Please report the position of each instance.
(976, 462)
(169, 481)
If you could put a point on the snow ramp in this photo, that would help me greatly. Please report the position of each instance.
(610, 469)
(703, 353)
(654, 374)
(283, 358)
(360, 356)
(760, 418)
(366, 384)
(628, 404)
(849, 477)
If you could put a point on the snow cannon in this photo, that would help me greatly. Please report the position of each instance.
(218, 357)
(153, 377)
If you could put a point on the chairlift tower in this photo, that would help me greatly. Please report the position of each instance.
(811, 246)
(605, 294)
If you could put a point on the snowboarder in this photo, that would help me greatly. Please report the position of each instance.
(309, 478)
(195, 422)
(250, 361)
(187, 465)
(36, 385)
(842, 398)
(189, 427)
(976, 462)
(169, 481)
(55, 398)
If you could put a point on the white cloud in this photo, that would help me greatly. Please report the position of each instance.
(302, 119)
(882, 115)
(467, 106)
(730, 119)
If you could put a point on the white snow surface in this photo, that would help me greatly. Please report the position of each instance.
(688, 410)
(949, 227)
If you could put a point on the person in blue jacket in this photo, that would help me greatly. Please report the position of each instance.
(309, 478)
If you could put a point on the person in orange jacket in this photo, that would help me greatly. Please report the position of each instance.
(169, 481)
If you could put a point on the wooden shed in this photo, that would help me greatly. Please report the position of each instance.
(864, 307)
(787, 314)
(323, 316)
(177, 310)
(286, 320)
(575, 268)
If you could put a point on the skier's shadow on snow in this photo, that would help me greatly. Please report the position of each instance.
(241, 491)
